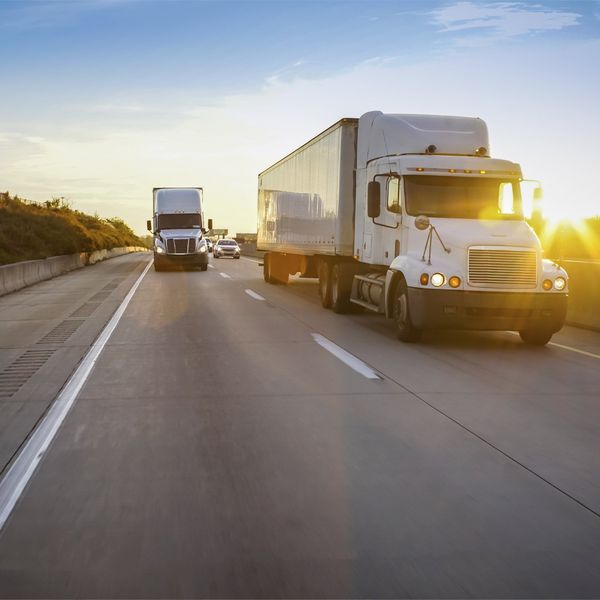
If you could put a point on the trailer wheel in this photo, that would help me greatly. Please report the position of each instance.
(536, 336)
(405, 330)
(325, 284)
(341, 285)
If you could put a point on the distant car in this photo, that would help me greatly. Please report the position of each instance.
(226, 248)
(209, 244)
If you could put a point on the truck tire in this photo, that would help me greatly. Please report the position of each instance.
(405, 330)
(158, 266)
(325, 284)
(204, 267)
(536, 336)
(341, 285)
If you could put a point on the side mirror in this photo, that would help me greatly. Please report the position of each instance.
(373, 199)
(210, 224)
(422, 222)
(149, 225)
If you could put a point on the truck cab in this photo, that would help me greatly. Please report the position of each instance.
(444, 226)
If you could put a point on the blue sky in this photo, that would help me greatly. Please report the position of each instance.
(104, 99)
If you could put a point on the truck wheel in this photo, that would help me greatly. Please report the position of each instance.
(325, 284)
(405, 330)
(204, 267)
(536, 336)
(158, 266)
(341, 284)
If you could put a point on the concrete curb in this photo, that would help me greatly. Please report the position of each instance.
(16, 276)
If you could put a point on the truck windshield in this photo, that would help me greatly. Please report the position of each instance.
(463, 197)
(179, 221)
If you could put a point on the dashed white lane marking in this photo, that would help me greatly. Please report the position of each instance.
(225, 275)
(254, 295)
(20, 472)
(211, 266)
(349, 359)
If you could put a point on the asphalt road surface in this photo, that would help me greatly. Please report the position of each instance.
(235, 439)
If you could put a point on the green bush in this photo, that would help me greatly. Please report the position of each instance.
(30, 230)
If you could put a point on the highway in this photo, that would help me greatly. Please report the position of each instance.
(234, 439)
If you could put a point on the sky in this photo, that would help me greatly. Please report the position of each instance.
(102, 100)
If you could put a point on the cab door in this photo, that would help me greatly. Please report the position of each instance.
(381, 241)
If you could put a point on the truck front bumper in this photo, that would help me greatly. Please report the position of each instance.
(182, 260)
(492, 311)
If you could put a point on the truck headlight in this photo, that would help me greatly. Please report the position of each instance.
(160, 250)
(438, 279)
(560, 283)
(202, 248)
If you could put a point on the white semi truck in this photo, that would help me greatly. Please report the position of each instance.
(410, 217)
(178, 227)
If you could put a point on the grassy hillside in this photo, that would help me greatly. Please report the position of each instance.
(31, 230)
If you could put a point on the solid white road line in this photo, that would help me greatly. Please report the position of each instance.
(349, 359)
(20, 472)
(569, 348)
(225, 275)
(254, 295)
(590, 354)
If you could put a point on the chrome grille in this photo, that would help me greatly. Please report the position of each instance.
(181, 245)
(494, 267)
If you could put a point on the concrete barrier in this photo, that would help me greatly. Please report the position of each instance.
(22, 274)
(249, 249)
(584, 293)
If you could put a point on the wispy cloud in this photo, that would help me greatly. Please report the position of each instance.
(36, 15)
(496, 21)
(287, 71)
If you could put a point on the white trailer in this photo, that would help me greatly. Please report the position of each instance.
(409, 216)
(178, 227)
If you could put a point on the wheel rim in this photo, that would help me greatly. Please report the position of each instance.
(401, 311)
(322, 288)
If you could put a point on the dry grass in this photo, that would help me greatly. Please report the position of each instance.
(30, 230)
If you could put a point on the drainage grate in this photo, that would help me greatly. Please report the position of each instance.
(21, 370)
(85, 310)
(61, 333)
